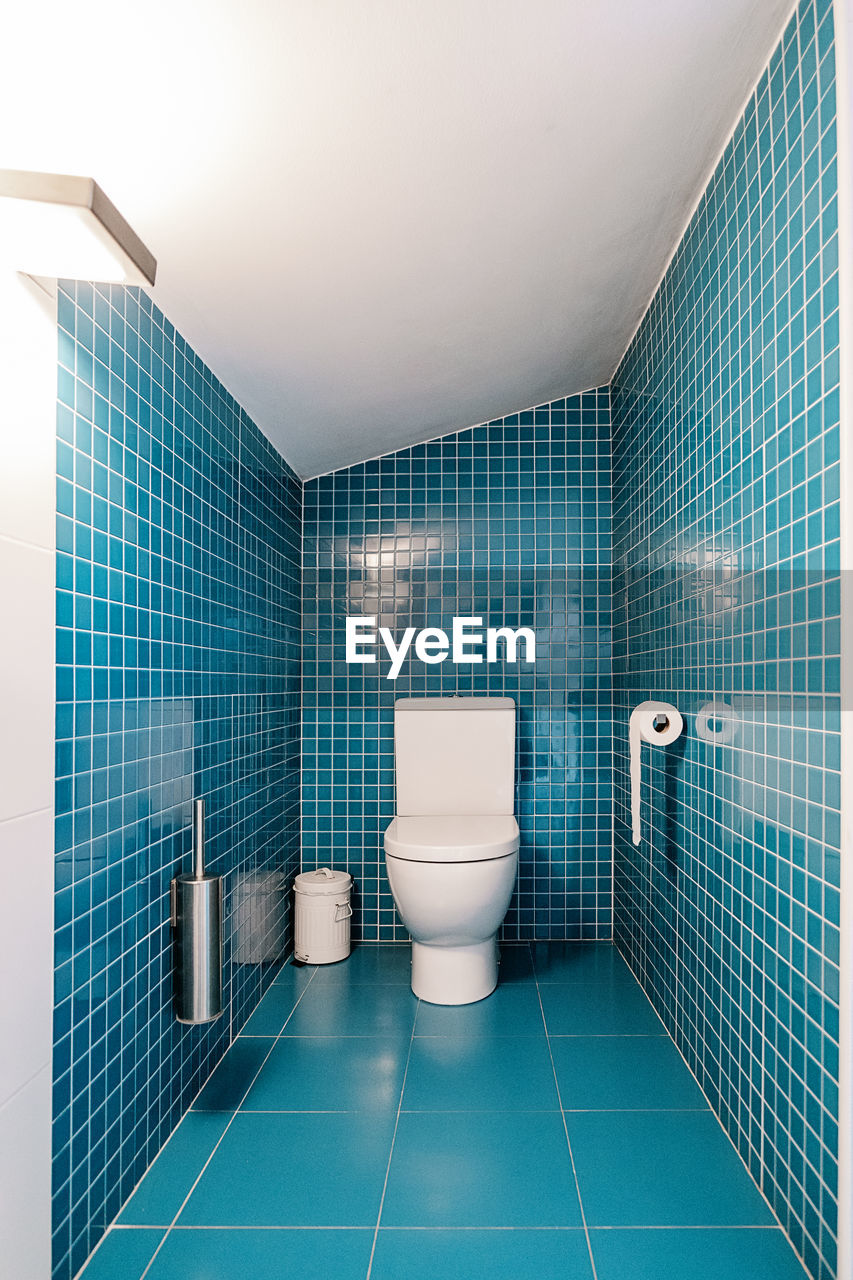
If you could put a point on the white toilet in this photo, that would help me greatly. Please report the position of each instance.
(452, 850)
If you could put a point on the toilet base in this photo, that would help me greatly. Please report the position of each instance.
(454, 975)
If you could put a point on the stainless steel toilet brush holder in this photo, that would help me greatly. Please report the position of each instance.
(196, 902)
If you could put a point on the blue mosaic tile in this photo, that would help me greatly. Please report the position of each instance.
(509, 521)
(725, 471)
(178, 563)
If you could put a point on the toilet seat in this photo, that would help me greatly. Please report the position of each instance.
(461, 838)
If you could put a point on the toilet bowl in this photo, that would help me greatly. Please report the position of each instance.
(452, 880)
(452, 865)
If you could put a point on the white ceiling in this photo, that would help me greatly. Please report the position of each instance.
(383, 220)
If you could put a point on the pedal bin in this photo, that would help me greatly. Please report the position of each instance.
(322, 929)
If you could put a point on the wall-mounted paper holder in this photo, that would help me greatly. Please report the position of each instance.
(659, 724)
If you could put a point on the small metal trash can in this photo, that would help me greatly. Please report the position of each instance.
(322, 928)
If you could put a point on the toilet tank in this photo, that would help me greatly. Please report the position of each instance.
(454, 755)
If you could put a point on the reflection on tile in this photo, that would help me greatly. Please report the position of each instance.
(263, 1255)
(493, 1073)
(369, 963)
(123, 1254)
(331, 1073)
(564, 962)
(661, 1168)
(573, 1009)
(516, 964)
(165, 1186)
(480, 1169)
(295, 1169)
(512, 1010)
(295, 977)
(227, 1086)
(468, 1255)
(628, 1072)
(274, 1010)
(708, 1254)
(336, 1009)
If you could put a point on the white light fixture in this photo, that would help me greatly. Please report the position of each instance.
(57, 226)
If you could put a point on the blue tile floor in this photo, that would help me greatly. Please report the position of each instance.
(551, 1131)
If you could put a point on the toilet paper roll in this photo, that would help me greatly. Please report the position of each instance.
(716, 723)
(658, 723)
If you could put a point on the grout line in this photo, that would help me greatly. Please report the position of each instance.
(183, 1204)
(299, 1111)
(549, 1111)
(666, 1226)
(393, 1140)
(576, 1035)
(565, 1126)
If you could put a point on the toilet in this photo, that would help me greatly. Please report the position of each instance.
(451, 852)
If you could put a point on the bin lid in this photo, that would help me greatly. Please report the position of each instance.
(323, 881)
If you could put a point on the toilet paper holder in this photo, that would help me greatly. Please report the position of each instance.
(659, 724)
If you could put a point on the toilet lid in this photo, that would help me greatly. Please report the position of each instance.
(456, 839)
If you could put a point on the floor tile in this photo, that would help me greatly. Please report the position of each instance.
(623, 1072)
(512, 1010)
(331, 1073)
(467, 1255)
(710, 1254)
(123, 1254)
(516, 963)
(579, 962)
(480, 1169)
(661, 1168)
(341, 1010)
(618, 1009)
(493, 1073)
(227, 1086)
(278, 1003)
(167, 1183)
(295, 1170)
(296, 975)
(263, 1255)
(371, 964)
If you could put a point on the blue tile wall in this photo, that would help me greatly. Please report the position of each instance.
(509, 521)
(726, 481)
(178, 563)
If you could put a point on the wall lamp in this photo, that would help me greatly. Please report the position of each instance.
(57, 226)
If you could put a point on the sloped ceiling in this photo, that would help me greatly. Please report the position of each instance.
(381, 220)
